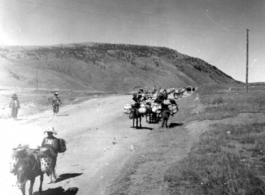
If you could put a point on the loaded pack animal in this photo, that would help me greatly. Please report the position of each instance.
(28, 164)
(189, 89)
(179, 93)
(138, 109)
(155, 111)
(168, 108)
(136, 116)
(151, 112)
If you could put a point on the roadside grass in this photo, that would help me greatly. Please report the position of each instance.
(228, 158)
(221, 105)
(224, 161)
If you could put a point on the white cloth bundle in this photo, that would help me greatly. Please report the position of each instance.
(127, 108)
(156, 108)
(173, 108)
(142, 108)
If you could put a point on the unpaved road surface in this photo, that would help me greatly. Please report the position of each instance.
(99, 140)
(99, 136)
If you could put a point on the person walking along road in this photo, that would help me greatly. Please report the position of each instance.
(56, 102)
(14, 105)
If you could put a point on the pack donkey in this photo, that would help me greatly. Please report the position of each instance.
(151, 117)
(30, 166)
(136, 116)
(168, 110)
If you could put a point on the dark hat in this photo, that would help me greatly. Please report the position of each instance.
(14, 96)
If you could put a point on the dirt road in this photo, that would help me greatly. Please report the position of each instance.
(99, 140)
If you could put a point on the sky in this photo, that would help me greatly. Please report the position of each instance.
(213, 30)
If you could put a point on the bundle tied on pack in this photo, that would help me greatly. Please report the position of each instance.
(173, 108)
(142, 108)
(166, 102)
(127, 108)
(156, 108)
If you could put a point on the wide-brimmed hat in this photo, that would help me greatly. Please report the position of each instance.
(14, 96)
(50, 130)
(56, 93)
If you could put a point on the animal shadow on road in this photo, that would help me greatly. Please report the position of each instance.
(20, 119)
(59, 191)
(171, 125)
(62, 115)
(143, 128)
(67, 176)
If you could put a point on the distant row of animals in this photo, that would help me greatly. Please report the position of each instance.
(155, 105)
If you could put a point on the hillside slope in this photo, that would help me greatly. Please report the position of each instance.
(103, 67)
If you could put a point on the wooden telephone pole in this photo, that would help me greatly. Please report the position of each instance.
(37, 80)
(247, 63)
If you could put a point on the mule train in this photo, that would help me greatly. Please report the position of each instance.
(154, 106)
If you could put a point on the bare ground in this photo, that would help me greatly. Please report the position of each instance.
(99, 139)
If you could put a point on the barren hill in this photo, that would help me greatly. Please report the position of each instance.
(103, 67)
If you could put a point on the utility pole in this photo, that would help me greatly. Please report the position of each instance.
(37, 80)
(247, 63)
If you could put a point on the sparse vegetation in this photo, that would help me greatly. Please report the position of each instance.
(216, 166)
(221, 105)
(75, 63)
(228, 158)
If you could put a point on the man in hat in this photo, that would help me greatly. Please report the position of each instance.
(52, 144)
(56, 101)
(14, 105)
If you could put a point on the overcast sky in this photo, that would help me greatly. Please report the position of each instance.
(213, 30)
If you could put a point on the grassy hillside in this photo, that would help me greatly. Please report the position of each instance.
(103, 67)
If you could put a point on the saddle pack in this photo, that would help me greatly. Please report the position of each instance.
(61, 145)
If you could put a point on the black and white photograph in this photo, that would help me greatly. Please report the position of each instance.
(132, 97)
